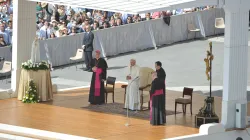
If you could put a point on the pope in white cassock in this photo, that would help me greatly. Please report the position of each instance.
(132, 95)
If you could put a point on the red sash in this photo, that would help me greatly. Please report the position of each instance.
(97, 81)
(157, 92)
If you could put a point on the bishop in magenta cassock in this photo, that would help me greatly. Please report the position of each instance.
(97, 90)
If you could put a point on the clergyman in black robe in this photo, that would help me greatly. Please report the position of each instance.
(162, 76)
(97, 90)
(157, 106)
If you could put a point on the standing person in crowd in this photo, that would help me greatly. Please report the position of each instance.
(129, 20)
(97, 91)
(9, 29)
(52, 35)
(5, 34)
(73, 31)
(96, 26)
(54, 25)
(87, 46)
(148, 17)
(157, 102)
(45, 31)
(2, 42)
(118, 22)
(65, 32)
(105, 25)
(39, 11)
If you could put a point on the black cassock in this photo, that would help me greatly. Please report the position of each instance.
(162, 76)
(157, 103)
(96, 94)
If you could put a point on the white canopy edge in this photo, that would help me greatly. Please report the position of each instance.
(132, 6)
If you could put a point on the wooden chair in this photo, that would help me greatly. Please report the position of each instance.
(184, 100)
(108, 89)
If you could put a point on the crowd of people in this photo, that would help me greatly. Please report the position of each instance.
(6, 17)
(58, 20)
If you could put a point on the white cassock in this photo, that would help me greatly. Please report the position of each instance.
(35, 52)
(132, 95)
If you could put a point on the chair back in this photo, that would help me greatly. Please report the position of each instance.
(191, 27)
(188, 92)
(145, 77)
(79, 53)
(6, 66)
(110, 81)
(219, 23)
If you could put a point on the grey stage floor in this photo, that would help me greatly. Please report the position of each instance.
(183, 63)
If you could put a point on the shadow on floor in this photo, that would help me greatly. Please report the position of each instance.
(218, 93)
(117, 67)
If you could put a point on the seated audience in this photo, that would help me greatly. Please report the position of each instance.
(2, 42)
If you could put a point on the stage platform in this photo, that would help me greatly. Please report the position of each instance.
(66, 114)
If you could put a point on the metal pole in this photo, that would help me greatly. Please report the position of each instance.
(211, 71)
(127, 101)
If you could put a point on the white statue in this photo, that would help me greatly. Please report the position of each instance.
(35, 53)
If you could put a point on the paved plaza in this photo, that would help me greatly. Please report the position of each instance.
(183, 62)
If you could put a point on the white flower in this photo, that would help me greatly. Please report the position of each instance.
(23, 100)
(31, 98)
(27, 97)
(38, 100)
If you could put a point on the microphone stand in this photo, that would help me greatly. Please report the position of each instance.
(127, 101)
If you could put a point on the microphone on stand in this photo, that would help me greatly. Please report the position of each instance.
(128, 120)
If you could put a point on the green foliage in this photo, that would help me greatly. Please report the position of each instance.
(31, 95)
(29, 65)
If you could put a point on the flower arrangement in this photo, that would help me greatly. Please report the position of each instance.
(29, 65)
(31, 95)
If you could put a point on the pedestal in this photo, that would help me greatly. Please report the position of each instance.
(205, 120)
(42, 80)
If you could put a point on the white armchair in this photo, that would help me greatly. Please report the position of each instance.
(145, 85)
